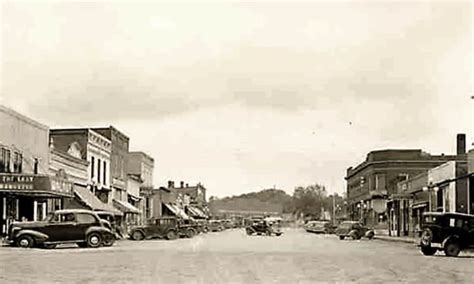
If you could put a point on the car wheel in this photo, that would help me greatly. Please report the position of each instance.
(354, 235)
(190, 233)
(25, 241)
(94, 240)
(452, 248)
(171, 235)
(278, 234)
(370, 235)
(248, 231)
(428, 250)
(49, 246)
(109, 240)
(341, 237)
(137, 236)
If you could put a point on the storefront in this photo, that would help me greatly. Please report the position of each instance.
(27, 197)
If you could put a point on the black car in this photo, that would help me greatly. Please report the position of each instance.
(267, 226)
(82, 227)
(169, 228)
(450, 232)
(354, 230)
(319, 227)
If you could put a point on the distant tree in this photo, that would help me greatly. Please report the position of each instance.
(309, 200)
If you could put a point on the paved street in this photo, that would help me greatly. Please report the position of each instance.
(233, 257)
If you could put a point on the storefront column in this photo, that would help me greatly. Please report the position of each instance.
(17, 209)
(44, 209)
(4, 215)
(35, 210)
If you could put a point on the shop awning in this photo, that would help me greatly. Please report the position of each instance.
(196, 212)
(126, 207)
(134, 198)
(94, 203)
(178, 212)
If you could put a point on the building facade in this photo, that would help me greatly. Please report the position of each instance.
(140, 166)
(118, 161)
(27, 192)
(96, 150)
(371, 183)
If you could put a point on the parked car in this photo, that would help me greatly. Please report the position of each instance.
(354, 230)
(82, 227)
(319, 227)
(450, 232)
(163, 227)
(216, 226)
(111, 219)
(267, 226)
(187, 228)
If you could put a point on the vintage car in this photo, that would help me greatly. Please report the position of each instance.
(267, 226)
(216, 226)
(354, 230)
(450, 232)
(169, 228)
(319, 227)
(111, 219)
(82, 227)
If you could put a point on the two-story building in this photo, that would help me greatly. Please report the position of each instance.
(94, 149)
(371, 183)
(27, 192)
(140, 167)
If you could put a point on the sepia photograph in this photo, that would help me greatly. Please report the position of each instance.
(261, 141)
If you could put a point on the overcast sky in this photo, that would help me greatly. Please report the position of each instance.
(246, 96)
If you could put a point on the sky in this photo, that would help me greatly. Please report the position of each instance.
(246, 96)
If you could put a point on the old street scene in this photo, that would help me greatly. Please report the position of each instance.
(236, 142)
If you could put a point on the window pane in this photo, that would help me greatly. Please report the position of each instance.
(83, 218)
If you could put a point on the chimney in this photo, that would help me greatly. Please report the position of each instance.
(170, 184)
(461, 144)
(181, 183)
(187, 185)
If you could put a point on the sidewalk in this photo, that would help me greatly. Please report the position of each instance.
(409, 240)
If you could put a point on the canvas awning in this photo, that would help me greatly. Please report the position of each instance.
(94, 203)
(134, 198)
(178, 212)
(196, 212)
(126, 207)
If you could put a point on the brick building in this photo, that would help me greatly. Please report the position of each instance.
(371, 183)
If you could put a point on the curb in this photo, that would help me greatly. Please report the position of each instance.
(395, 240)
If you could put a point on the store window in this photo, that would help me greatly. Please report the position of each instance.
(105, 173)
(4, 160)
(17, 163)
(98, 170)
(92, 167)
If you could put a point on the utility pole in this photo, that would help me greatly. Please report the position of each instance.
(334, 209)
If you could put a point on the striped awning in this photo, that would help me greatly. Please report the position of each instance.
(91, 201)
(178, 212)
(126, 207)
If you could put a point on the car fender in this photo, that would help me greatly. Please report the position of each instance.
(99, 229)
(352, 233)
(450, 238)
(369, 234)
(38, 236)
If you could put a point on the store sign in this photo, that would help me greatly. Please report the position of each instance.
(35, 182)
(16, 182)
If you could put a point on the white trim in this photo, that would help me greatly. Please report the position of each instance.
(35, 210)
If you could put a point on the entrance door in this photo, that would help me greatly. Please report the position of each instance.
(25, 208)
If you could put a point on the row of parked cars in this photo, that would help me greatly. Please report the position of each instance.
(347, 229)
(95, 229)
